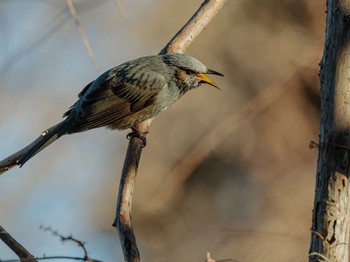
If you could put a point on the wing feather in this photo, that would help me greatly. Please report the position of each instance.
(112, 100)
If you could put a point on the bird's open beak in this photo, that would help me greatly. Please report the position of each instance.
(205, 79)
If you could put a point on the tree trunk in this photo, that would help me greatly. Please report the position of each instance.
(330, 220)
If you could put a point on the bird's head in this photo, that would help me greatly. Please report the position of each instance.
(190, 72)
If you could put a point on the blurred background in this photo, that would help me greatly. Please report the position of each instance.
(226, 172)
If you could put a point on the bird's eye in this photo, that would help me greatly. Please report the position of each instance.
(190, 72)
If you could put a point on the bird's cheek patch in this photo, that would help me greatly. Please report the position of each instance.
(181, 75)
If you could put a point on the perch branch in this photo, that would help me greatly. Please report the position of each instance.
(205, 13)
(11, 161)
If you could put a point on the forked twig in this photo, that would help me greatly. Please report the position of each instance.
(63, 238)
(25, 256)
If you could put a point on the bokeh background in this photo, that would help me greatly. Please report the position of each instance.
(226, 172)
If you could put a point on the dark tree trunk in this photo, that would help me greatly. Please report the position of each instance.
(330, 220)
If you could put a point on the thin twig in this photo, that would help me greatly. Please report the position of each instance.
(121, 9)
(50, 257)
(80, 243)
(205, 13)
(22, 253)
(83, 35)
(313, 145)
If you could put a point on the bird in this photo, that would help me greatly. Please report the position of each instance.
(127, 95)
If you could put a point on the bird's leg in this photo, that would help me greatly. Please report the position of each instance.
(137, 133)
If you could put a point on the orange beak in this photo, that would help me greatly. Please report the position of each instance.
(205, 79)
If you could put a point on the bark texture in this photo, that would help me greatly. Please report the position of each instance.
(330, 221)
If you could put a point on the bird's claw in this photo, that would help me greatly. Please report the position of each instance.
(137, 133)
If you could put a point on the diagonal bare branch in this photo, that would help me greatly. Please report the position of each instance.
(22, 253)
(120, 9)
(83, 35)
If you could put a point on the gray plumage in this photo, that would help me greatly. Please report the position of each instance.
(128, 94)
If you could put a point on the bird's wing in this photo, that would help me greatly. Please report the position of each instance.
(79, 95)
(107, 101)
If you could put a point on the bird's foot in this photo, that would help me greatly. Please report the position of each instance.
(137, 133)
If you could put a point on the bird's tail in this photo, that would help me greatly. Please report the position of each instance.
(47, 137)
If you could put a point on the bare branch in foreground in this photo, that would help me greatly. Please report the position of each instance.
(25, 256)
(11, 161)
(22, 253)
(179, 44)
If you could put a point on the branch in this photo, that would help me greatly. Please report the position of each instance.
(203, 16)
(331, 212)
(11, 161)
(179, 44)
(83, 36)
(22, 253)
(120, 9)
(55, 233)
(80, 243)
